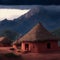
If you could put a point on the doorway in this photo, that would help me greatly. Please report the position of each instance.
(27, 47)
(48, 45)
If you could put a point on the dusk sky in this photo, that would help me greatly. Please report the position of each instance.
(10, 12)
(27, 2)
(49, 14)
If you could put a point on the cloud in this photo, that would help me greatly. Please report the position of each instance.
(22, 7)
(11, 14)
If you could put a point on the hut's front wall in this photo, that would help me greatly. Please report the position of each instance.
(23, 46)
(41, 46)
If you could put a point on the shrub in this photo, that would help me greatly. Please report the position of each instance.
(18, 51)
(11, 55)
(12, 49)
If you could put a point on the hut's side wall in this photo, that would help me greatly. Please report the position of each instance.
(41, 46)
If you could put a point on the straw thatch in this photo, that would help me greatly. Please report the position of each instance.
(4, 40)
(37, 33)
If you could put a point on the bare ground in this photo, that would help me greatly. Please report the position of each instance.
(29, 56)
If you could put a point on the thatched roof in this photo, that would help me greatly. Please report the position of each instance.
(37, 33)
(4, 40)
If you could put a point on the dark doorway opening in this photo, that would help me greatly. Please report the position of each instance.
(18, 46)
(26, 46)
(48, 45)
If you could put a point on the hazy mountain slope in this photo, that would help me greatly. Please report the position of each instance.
(49, 19)
(56, 32)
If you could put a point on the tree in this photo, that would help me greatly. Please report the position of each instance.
(10, 34)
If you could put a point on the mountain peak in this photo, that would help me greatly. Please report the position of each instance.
(32, 12)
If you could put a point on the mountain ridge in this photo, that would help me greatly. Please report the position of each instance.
(24, 23)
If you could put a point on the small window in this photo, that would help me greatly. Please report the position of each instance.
(58, 43)
(48, 45)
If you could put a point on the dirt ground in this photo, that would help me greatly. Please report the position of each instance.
(28, 56)
(37, 56)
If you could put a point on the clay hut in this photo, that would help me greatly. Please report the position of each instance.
(37, 40)
(5, 42)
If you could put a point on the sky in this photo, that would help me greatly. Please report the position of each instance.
(50, 14)
(27, 2)
(11, 12)
(14, 11)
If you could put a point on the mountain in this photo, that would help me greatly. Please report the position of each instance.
(48, 18)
